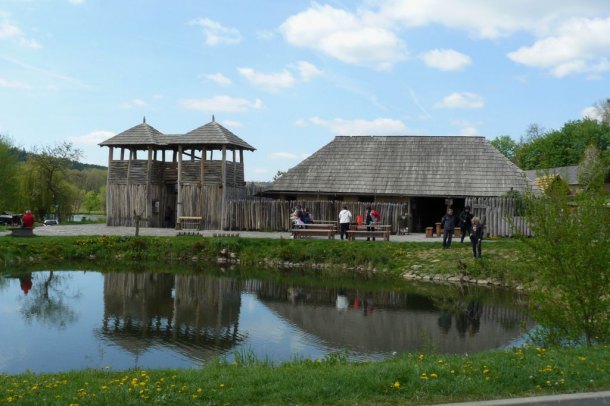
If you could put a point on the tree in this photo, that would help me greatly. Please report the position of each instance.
(52, 164)
(603, 110)
(506, 145)
(278, 175)
(8, 175)
(571, 293)
(564, 147)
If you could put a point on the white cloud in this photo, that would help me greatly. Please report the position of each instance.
(288, 155)
(30, 43)
(463, 100)
(92, 138)
(467, 129)
(216, 33)
(134, 104)
(446, 59)
(265, 35)
(271, 82)
(219, 79)
(222, 103)
(283, 155)
(379, 126)
(232, 123)
(14, 84)
(591, 112)
(345, 36)
(485, 19)
(579, 45)
(300, 123)
(307, 70)
(8, 30)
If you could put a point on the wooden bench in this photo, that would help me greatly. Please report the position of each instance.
(188, 223)
(319, 226)
(353, 234)
(305, 232)
(22, 232)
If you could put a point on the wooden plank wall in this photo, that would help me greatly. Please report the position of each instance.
(502, 216)
(274, 215)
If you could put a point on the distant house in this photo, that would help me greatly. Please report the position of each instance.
(151, 175)
(543, 177)
(426, 173)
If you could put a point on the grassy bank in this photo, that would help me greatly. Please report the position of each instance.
(406, 379)
(507, 261)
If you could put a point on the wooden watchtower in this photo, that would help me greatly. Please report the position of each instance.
(151, 174)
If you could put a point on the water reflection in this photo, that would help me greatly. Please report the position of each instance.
(197, 314)
(76, 320)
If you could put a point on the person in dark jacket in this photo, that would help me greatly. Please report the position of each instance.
(476, 236)
(465, 222)
(448, 225)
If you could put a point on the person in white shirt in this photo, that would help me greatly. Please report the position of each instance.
(345, 217)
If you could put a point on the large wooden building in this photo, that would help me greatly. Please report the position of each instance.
(152, 175)
(425, 173)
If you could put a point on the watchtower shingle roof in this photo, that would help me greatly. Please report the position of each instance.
(142, 134)
(404, 166)
(211, 135)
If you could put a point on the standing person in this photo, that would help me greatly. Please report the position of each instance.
(448, 225)
(465, 222)
(27, 221)
(371, 216)
(297, 217)
(345, 217)
(476, 236)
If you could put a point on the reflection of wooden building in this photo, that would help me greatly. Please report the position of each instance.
(198, 314)
(150, 172)
(384, 322)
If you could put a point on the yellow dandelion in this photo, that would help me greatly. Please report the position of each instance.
(397, 385)
(581, 358)
(433, 376)
(222, 385)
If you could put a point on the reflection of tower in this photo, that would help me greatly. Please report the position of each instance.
(194, 313)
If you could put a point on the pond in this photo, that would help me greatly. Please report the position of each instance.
(56, 321)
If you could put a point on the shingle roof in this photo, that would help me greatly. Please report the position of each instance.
(212, 135)
(142, 134)
(568, 173)
(405, 166)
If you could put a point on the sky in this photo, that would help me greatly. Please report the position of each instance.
(289, 76)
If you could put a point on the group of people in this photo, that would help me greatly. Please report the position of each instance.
(301, 216)
(371, 216)
(468, 224)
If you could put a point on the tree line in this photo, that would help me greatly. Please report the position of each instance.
(543, 149)
(50, 181)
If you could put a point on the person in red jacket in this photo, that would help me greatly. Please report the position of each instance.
(27, 221)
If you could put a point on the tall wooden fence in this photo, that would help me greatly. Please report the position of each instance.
(502, 216)
(274, 215)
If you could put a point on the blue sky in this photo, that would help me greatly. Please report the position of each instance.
(288, 76)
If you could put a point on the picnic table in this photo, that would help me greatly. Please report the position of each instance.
(315, 230)
(370, 231)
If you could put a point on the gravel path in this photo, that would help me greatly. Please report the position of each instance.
(101, 229)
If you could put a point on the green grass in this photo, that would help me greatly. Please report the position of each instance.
(504, 260)
(405, 379)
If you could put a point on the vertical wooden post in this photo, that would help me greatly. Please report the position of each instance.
(224, 186)
(202, 185)
(108, 200)
(179, 190)
(234, 169)
(149, 208)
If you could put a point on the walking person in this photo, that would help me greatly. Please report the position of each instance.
(448, 225)
(465, 222)
(345, 218)
(476, 237)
